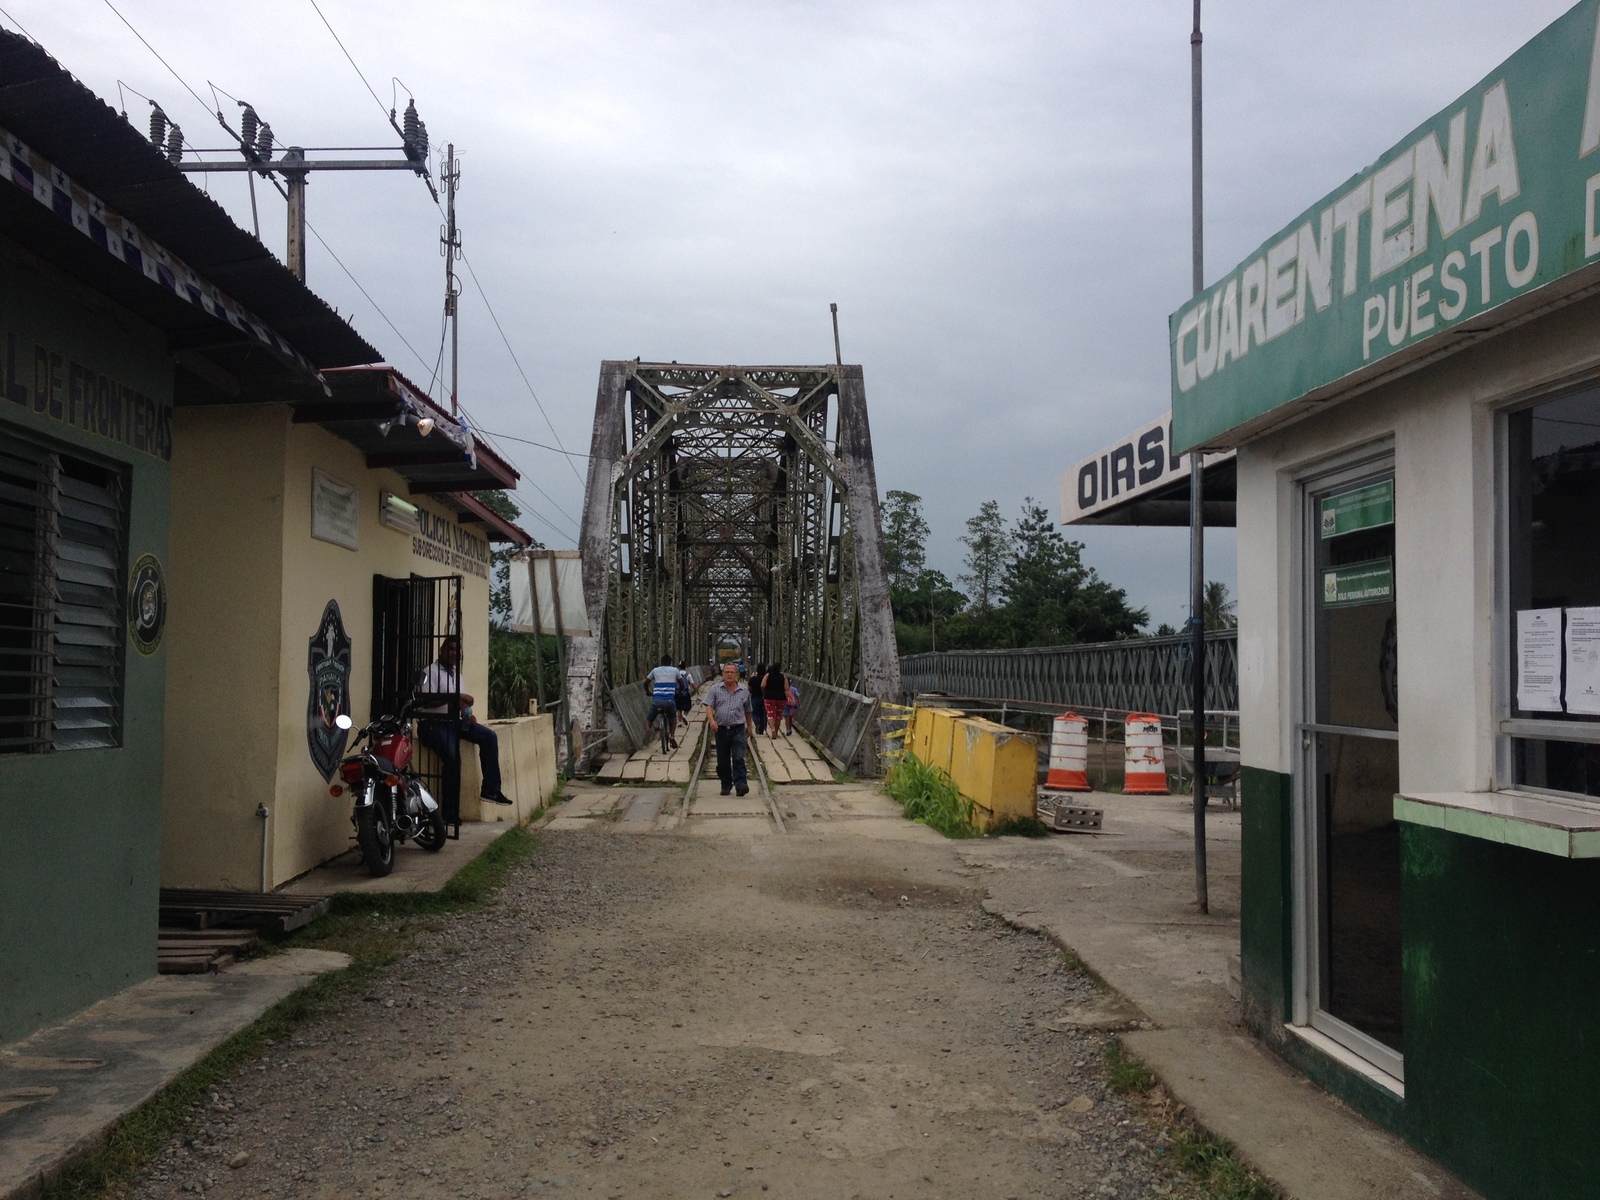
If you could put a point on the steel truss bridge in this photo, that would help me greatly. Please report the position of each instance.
(731, 506)
(1136, 675)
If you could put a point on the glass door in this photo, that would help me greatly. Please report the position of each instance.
(1350, 766)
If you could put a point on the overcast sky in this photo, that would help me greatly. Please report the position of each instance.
(996, 195)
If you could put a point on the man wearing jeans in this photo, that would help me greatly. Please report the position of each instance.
(444, 736)
(727, 710)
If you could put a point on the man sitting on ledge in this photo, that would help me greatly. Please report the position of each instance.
(444, 736)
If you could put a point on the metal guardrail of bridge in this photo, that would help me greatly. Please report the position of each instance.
(1134, 675)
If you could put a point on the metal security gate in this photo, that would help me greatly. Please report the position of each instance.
(410, 620)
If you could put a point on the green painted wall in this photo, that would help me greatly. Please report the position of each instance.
(1265, 898)
(80, 831)
(1502, 1013)
(1266, 945)
(1502, 992)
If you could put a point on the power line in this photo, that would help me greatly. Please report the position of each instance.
(415, 354)
(159, 59)
(478, 429)
(20, 29)
(517, 362)
(530, 442)
(348, 59)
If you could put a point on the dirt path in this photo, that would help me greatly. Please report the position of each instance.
(719, 1011)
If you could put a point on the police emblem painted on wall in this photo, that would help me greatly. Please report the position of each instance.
(328, 665)
(147, 604)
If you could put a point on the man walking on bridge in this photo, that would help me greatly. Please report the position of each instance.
(727, 709)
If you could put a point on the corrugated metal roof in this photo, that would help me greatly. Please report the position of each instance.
(46, 107)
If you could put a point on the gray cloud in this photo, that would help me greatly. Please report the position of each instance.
(995, 194)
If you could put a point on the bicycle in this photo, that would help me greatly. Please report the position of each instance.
(669, 718)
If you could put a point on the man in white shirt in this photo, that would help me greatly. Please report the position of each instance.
(444, 736)
(663, 681)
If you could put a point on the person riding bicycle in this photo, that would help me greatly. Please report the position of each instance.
(685, 696)
(663, 681)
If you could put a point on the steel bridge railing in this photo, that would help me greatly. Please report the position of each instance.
(1135, 675)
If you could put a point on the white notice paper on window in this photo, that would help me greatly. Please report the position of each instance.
(1539, 660)
(1583, 660)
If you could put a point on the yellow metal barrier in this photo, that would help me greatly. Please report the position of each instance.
(992, 765)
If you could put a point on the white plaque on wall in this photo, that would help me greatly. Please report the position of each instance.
(335, 510)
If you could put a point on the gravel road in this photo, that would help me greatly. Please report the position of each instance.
(693, 1016)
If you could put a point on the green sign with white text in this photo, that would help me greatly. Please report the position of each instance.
(1358, 583)
(1491, 199)
(1360, 508)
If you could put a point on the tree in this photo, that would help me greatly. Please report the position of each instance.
(986, 544)
(1219, 606)
(905, 538)
(1051, 598)
(1165, 630)
(521, 666)
(501, 503)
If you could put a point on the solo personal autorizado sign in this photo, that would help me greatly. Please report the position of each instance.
(1487, 202)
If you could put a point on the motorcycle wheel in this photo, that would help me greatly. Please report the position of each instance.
(375, 837)
(433, 833)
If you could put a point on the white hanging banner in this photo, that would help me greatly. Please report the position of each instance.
(535, 594)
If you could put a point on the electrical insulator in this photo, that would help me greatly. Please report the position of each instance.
(264, 141)
(249, 123)
(415, 133)
(175, 145)
(158, 125)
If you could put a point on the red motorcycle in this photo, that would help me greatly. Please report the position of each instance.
(391, 805)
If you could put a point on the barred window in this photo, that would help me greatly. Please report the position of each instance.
(63, 525)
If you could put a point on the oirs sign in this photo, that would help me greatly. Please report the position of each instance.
(1135, 466)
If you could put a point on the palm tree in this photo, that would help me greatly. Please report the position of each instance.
(1219, 606)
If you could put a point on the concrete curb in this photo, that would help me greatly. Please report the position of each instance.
(89, 1072)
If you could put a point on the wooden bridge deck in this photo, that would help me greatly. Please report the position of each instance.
(649, 765)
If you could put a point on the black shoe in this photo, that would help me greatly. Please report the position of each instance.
(497, 798)
(727, 791)
(744, 791)
(673, 742)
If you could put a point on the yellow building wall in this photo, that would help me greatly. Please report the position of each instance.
(222, 643)
(205, 841)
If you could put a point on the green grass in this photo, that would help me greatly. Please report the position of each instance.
(926, 794)
(376, 930)
(1124, 1073)
(1209, 1161)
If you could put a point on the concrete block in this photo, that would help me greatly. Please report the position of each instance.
(941, 737)
(994, 766)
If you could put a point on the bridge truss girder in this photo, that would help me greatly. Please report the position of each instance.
(732, 501)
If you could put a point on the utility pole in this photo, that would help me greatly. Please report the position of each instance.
(255, 144)
(450, 240)
(1197, 524)
(838, 359)
(294, 179)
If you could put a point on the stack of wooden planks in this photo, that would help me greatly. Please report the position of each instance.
(197, 951)
(199, 908)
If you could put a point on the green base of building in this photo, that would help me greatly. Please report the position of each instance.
(1501, 954)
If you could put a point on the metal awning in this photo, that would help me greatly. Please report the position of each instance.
(379, 411)
(1139, 481)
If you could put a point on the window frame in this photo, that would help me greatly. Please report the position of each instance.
(1508, 727)
(47, 575)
